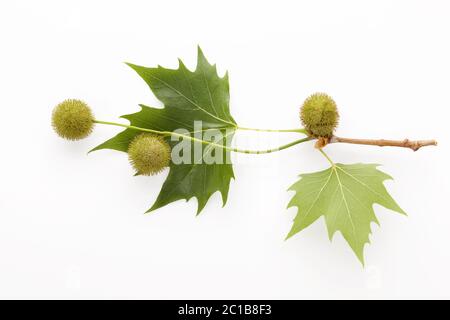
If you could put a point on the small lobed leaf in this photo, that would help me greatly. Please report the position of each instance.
(344, 195)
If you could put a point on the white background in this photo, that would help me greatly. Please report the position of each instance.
(72, 225)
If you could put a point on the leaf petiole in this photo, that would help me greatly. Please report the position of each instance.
(327, 157)
(299, 130)
(232, 149)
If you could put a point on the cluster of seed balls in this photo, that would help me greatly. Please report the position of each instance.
(149, 154)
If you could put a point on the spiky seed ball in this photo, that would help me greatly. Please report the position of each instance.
(319, 115)
(72, 119)
(149, 154)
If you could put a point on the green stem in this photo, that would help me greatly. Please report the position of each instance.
(293, 143)
(130, 127)
(232, 149)
(299, 130)
(327, 157)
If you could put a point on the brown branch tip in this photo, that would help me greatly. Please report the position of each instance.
(406, 143)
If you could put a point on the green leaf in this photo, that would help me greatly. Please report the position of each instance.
(344, 195)
(187, 96)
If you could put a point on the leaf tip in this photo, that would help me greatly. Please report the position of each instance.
(94, 149)
(224, 199)
(199, 50)
(362, 260)
(360, 255)
(131, 65)
(290, 234)
(201, 59)
(181, 64)
(152, 209)
(200, 207)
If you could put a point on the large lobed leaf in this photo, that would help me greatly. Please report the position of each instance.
(344, 195)
(187, 96)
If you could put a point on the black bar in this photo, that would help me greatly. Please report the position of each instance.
(219, 309)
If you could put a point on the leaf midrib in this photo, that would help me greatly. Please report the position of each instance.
(192, 102)
(363, 184)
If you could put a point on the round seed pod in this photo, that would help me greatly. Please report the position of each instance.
(319, 115)
(149, 154)
(72, 119)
